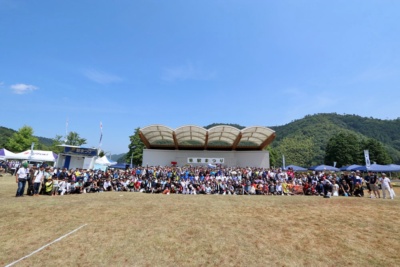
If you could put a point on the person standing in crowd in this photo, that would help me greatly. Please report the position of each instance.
(21, 177)
(54, 192)
(373, 184)
(29, 181)
(386, 186)
(366, 179)
(38, 180)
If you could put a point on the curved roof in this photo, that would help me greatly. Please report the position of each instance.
(158, 134)
(221, 137)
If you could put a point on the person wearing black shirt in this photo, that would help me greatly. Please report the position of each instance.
(344, 189)
(366, 179)
(87, 186)
(373, 184)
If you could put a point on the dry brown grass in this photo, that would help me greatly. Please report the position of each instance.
(134, 229)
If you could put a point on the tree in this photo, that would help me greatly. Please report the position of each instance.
(101, 154)
(21, 140)
(298, 150)
(344, 149)
(135, 149)
(377, 152)
(74, 139)
(55, 146)
(273, 156)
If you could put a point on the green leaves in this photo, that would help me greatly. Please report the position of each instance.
(377, 152)
(348, 148)
(298, 150)
(344, 149)
(135, 149)
(21, 140)
(74, 139)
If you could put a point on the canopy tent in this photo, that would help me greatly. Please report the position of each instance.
(5, 154)
(37, 155)
(395, 166)
(350, 167)
(295, 168)
(324, 168)
(379, 168)
(104, 161)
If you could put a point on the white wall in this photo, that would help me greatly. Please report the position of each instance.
(76, 162)
(155, 157)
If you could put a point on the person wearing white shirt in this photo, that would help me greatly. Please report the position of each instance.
(386, 186)
(62, 187)
(335, 188)
(21, 177)
(107, 186)
(38, 180)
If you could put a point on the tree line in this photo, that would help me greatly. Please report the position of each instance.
(312, 140)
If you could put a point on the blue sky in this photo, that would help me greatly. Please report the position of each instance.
(133, 63)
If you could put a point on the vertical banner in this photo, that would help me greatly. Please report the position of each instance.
(334, 164)
(367, 161)
(283, 162)
(101, 133)
(32, 146)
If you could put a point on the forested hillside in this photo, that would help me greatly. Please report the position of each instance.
(6, 133)
(312, 133)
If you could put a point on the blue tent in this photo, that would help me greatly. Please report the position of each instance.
(321, 168)
(295, 168)
(378, 168)
(350, 168)
(395, 166)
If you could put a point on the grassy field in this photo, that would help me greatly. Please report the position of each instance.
(135, 229)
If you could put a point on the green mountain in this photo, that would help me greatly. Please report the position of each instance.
(311, 134)
(6, 133)
(120, 158)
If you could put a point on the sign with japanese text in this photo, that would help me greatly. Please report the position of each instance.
(90, 152)
(205, 160)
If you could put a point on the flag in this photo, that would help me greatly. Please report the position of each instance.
(101, 133)
(32, 145)
(367, 161)
(283, 161)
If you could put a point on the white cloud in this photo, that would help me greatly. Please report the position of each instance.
(21, 88)
(101, 77)
(187, 72)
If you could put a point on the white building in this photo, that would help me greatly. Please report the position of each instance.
(190, 144)
(77, 157)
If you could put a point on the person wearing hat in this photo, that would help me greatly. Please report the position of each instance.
(20, 177)
(386, 186)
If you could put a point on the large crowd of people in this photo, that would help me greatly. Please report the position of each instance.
(44, 180)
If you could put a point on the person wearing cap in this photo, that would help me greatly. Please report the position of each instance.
(386, 186)
(20, 178)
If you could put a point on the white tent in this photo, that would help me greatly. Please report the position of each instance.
(104, 161)
(37, 155)
(5, 154)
